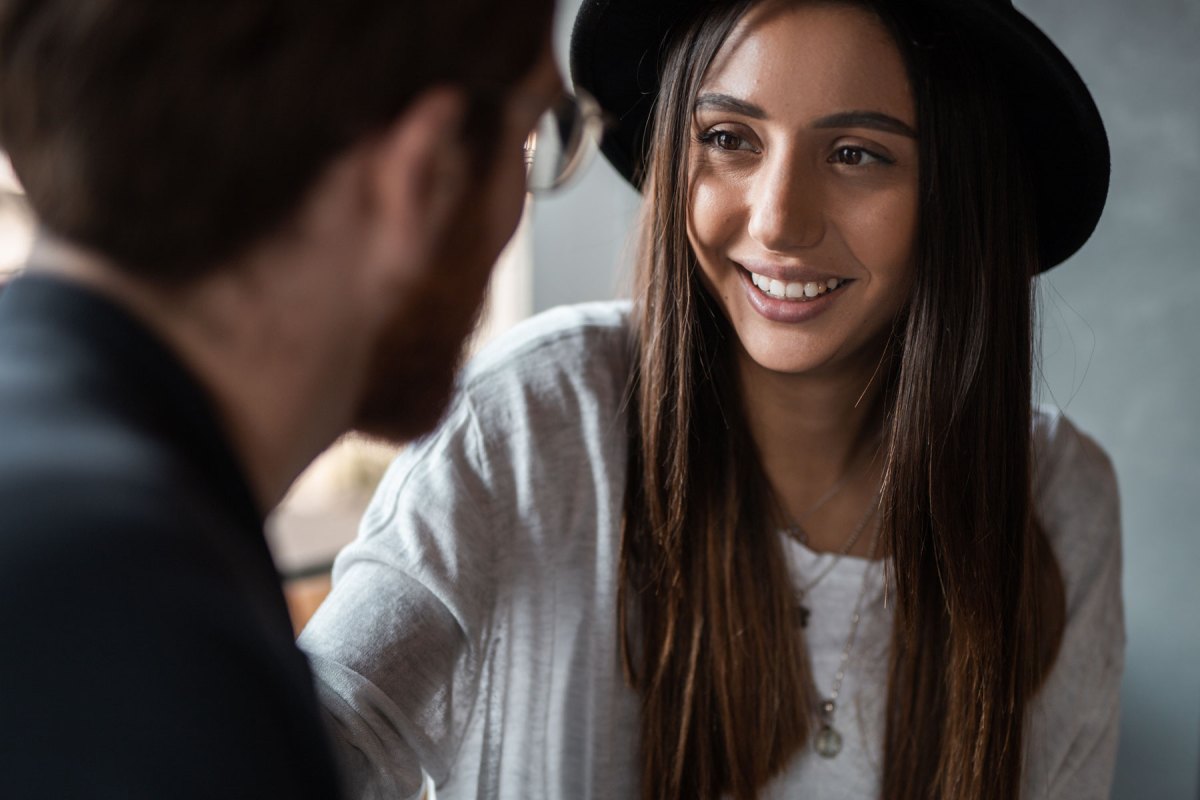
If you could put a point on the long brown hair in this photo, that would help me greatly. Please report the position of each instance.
(706, 602)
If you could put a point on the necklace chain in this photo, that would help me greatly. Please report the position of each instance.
(796, 529)
(846, 547)
(802, 610)
(828, 742)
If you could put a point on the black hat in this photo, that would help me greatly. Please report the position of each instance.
(615, 55)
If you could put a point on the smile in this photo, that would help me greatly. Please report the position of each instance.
(800, 291)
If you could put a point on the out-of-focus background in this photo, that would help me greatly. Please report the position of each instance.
(1121, 335)
(1121, 348)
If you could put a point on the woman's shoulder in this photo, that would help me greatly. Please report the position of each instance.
(1070, 466)
(547, 383)
(573, 338)
(1075, 491)
(535, 409)
(563, 364)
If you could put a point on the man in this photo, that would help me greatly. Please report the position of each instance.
(262, 223)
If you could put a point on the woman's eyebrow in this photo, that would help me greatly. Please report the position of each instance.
(866, 119)
(876, 120)
(724, 102)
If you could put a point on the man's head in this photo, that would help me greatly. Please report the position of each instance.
(174, 138)
(170, 136)
(415, 358)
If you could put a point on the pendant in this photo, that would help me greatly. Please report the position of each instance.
(828, 742)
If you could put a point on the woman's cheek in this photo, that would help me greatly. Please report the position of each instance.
(882, 234)
(712, 221)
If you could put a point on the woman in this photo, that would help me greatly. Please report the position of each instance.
(790, 526)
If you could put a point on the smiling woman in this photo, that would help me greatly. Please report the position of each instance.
(803, 211)
(789, 525)
(912, 374)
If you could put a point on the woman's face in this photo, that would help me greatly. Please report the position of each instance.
(803, 195)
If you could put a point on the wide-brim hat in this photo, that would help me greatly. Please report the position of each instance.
(616, 50)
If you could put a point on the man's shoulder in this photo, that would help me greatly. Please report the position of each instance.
(136, 603)
(146, 634)
(85, 491)
(65, 460)
(126, 530)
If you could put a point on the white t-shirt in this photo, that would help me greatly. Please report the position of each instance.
(471, 631)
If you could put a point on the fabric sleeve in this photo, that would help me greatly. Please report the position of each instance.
(397, 646)
(1076, 715)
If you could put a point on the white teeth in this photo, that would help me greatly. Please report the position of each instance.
(794, 290)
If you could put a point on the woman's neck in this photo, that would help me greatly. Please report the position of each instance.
(814, 434)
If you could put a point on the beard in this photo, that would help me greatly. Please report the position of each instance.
(412, 370)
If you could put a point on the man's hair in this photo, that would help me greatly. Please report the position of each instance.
(171, 136)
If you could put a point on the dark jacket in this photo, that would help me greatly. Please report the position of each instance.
(146, 648)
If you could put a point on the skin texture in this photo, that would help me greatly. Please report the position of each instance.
(414, 361)
(801, 201)
(779, 184)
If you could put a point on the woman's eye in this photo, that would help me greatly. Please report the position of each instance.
(724, 140)
(856, 157)
(727, 141)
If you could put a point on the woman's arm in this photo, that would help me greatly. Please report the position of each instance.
(1071, 748)
(396, 647)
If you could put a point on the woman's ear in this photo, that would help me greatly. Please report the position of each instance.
(417, 174)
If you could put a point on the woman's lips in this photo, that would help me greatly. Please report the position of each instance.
(791, 301)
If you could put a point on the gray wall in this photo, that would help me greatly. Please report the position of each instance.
(1121, 335)
(1120, 345)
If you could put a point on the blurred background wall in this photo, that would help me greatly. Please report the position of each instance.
(1121, 341)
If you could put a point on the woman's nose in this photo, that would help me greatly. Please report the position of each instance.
(786, 209)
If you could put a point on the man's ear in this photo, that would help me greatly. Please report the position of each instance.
(418, 174)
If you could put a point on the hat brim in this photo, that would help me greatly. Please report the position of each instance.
(616, 49)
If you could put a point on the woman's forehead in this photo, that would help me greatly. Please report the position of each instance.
(799, 59)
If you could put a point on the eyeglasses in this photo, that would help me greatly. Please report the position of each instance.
(563, 141)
